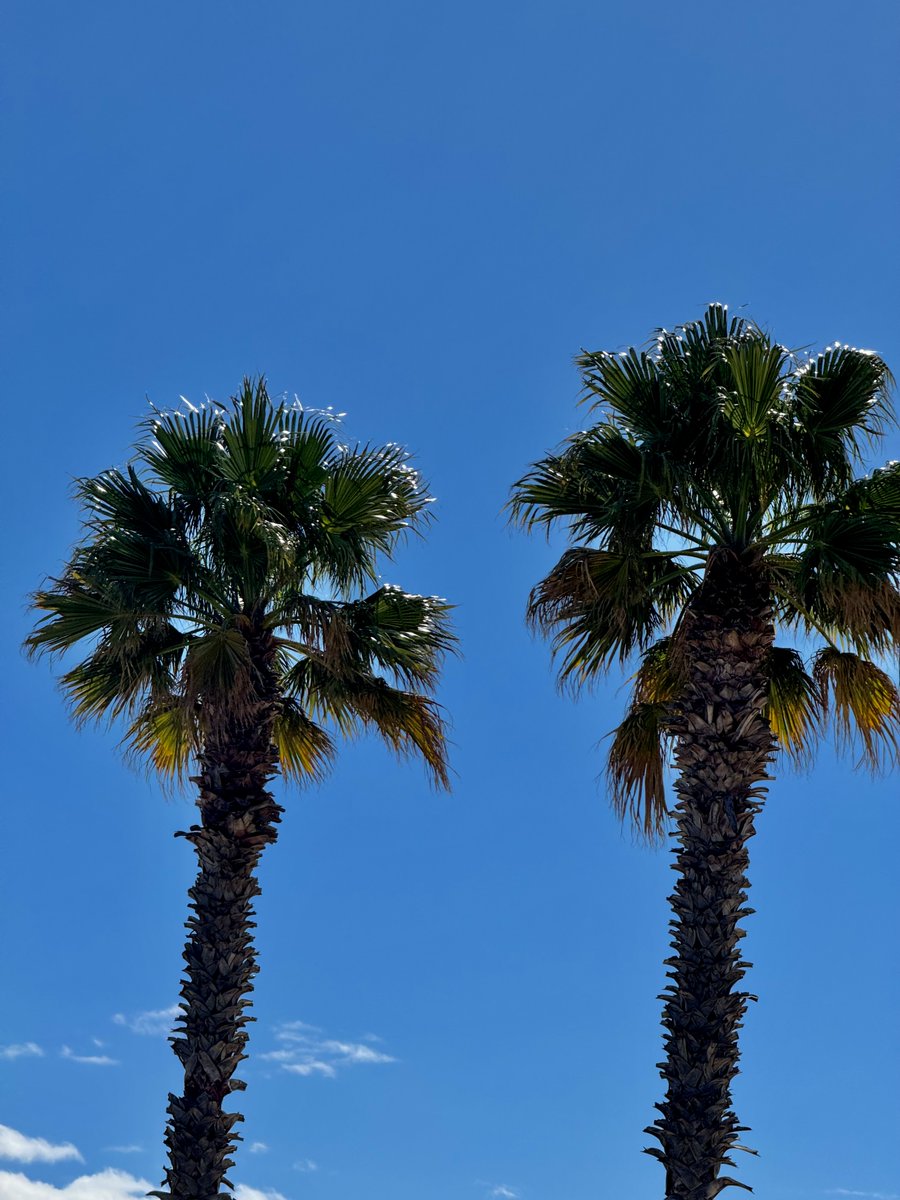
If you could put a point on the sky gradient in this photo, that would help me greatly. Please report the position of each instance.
(417, 214)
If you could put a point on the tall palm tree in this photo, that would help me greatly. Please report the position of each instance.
(715, 500)
(218, 597)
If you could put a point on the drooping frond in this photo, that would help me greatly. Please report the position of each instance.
(794, 708)
(305, 750)
(662, 673)
(599, 605)
(603, 485)
(844, 578)
(864, 704)
(635, 769)
(166, 734)
(409, 722)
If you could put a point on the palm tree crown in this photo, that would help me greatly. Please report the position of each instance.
(228, 527)
(716, 440)
(716, 499)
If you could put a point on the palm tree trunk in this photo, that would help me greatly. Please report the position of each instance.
(238, 820)
(723, 747)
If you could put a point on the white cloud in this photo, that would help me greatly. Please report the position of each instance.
(106, 1185)
(22, 1148)
(242, 1192)
(497, 1191)
(304, 1051)
(155, 1022)
(257, 1148)
(21, 1050)
(110, 1184)
(91, 1060)
(306, 1165)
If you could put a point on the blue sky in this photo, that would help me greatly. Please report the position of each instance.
(417, 214)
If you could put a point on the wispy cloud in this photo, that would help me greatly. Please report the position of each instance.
(257, 1148)
(105, 1185)
(242, 1192)
(306, 1165)
(21, 1148)
(497, 1191)
(306, 1051)
(155, 1022)
(866, 1195)
(21, 1050)
(90, 1060)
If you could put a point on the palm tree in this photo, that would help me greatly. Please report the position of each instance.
(218, 596)
(716, 500)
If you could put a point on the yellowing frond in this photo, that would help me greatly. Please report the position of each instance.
(864, 702)
(635, 770)
(305, 750)
(794, 708)
(167, 736)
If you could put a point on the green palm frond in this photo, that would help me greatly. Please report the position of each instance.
(864, 704)
(167, 735)
(603, 485)
(305, 750)
(409, 722)
(756, 386)
(184, 453)
(599, 605)
(627, 387)
(403, 634)
(218, 664)
(845, 391)
(794, 708)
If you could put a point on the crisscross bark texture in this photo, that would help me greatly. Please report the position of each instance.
(723, 747)
(238, 820)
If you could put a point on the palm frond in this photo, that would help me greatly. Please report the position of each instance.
(756, 387)
(184, 453)
(410, 723)
(218, 664)
(864, 704)
(603, 484)
(794, 707)
(635, 769)
(305, 750)
(626, 387)
(662, 674)
(167, 735)
(597, 605)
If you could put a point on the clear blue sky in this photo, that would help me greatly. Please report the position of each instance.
(418, 213)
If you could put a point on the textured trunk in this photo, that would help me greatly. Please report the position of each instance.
(723, 747)
(238, 820)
